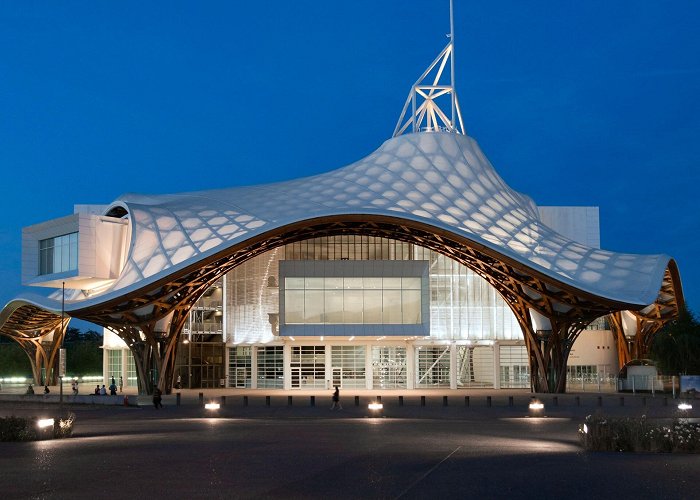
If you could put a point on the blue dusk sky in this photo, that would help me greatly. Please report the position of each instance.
(593, 103)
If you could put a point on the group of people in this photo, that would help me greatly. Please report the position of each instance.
(102, 391)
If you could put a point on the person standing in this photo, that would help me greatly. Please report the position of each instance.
(121, 383)
(336, 399)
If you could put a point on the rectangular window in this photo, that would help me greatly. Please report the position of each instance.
(59, 254)
(270, 367)
(345, 300)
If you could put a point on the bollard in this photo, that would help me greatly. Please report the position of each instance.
(578, 401)
(665, 401)
(510, 400)
(466, 400)
(177, 398)
(245, 400)
(223, 400)
(600, 400)
(312, 400)
(422, 400)
(488, 401)
(644, 401)
(444, 401)
(555, 400)
(201, 399)
(357, 400)
(379, 399)
(400, 400)
(622, 401)
(267, 400)
(289, 401)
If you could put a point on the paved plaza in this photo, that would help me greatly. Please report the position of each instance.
(270, 449)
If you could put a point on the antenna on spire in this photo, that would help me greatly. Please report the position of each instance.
(428, 95)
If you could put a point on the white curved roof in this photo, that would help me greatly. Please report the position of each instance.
(438, 178)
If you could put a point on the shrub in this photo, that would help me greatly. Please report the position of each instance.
(601, 433)
(26, 429)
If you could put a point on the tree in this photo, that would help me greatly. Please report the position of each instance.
(676, 347)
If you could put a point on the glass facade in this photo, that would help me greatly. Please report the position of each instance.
(348, 366)
(59, 254)
(270, 367)
(345, 300)
(389, 369)
(233, 334)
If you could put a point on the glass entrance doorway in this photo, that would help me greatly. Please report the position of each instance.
(308, 367)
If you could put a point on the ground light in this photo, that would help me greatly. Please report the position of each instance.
(536, 407)
(685, 406)
(212, 406)
(44, 422)
(375, 409)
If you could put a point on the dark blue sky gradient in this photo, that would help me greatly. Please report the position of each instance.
(575, 103)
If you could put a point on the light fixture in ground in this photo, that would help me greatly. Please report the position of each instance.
(212, 406)
(44, 422)
(685, 406)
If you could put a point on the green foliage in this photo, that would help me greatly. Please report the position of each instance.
(602, 433)
(676, 347)
(25, 428)
(83, 351)
(13, 360)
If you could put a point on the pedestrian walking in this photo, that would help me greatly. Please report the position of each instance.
(157, 398)
(336, 400)
(74, 386)
(121, 383)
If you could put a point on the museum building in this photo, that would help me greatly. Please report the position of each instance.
(415, 267)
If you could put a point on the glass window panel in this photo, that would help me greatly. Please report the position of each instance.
(314, 283)
(372, 283)
(391, 307)
(411, 307)
(313, 306)
(353, 306)
(333, 283)
(294, 283)
(294, 306)
(353, 283)
(392, 283)
(411, 283)
(372, 307)
(333, 306)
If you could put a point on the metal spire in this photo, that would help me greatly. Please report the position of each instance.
(429, 94)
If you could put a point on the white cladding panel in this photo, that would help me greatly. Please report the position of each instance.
(581, 224)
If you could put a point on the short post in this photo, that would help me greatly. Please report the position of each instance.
(466, 400)
(600, 400)
(633, 390)
(245, 400)
(177, 398)
(267, 400)
(555, 400)
(444, 401)
(665, 401)
(644, 401)
(510, 400)
(223, 400)
(673, 386)
(312, 400)
(622, 401)
(400, 400)
(422, 400)
(357, 400)
(488, 401)
(578, 401)
(201, 399)
(289, 401)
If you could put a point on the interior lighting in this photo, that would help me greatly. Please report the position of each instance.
(685, 406)
(44, 422)
(212, 406)
(292, 339)
(352, 338)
